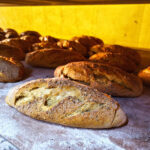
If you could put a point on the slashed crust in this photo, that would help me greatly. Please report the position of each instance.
(105, 78)
(66, 102)
(130, 53)
(52, 57)
(115, 59)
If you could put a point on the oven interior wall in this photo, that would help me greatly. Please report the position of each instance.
(116, 24)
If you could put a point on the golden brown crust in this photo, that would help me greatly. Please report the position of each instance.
(125, 51)
(30, 33)
(66, 102)
(48, 39)
(145, 75)
(9, 51)
(115, 59)
(30, 39)
(105, 78)
(23, 45)
(43, 45)
(10, 70)
(52, 57)
(72, 45)
(87, 41)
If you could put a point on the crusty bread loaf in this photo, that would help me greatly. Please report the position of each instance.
(87, 41)
(65, 102)
(145, 75)
(52, 57)
(115, 59)
(48, 38)
(23, 45)
(43, 45)
(30, 33)
(10, 70)
(9, 51)
(130, 53)
(30, 39)
(72, 45)
(105, 78)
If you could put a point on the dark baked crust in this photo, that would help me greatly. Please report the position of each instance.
(44, 45)
(105, 78)
(52, 57)
(18, 43)
(87, 41)
(145, 75)
(48, 38)
(31, 33)
(115, 59)
(9, 51)
(11, 70)
(66, 102)
(72, 45)
(124, 51)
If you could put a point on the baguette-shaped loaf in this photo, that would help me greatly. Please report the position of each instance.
(105, 78)
(124, 51)
(66, 102)
(10, 70)
(52, 57)
(115, 59)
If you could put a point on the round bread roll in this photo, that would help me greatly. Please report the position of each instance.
(145, 75)
(52, 57)
(115, 59)
(87, 41)
(71, 45)
(10, 51)
(105, 78)
(126, 51)
(11, 70)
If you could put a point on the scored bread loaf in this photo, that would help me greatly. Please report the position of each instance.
(105, 78)
(130, 53)
(66, 102)
(10, 70)
(52, 57)
(115, 59)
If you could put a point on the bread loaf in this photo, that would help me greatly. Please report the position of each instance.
(87, 41)
(73, 46)
(10, 51)
(130, 53)
(105, 78)
(52, 57)
(115, 59)
(10, 70)
(68, 103)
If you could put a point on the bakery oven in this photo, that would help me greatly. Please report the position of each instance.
(74, 74)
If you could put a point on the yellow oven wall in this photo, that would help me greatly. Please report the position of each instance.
(116, 24)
